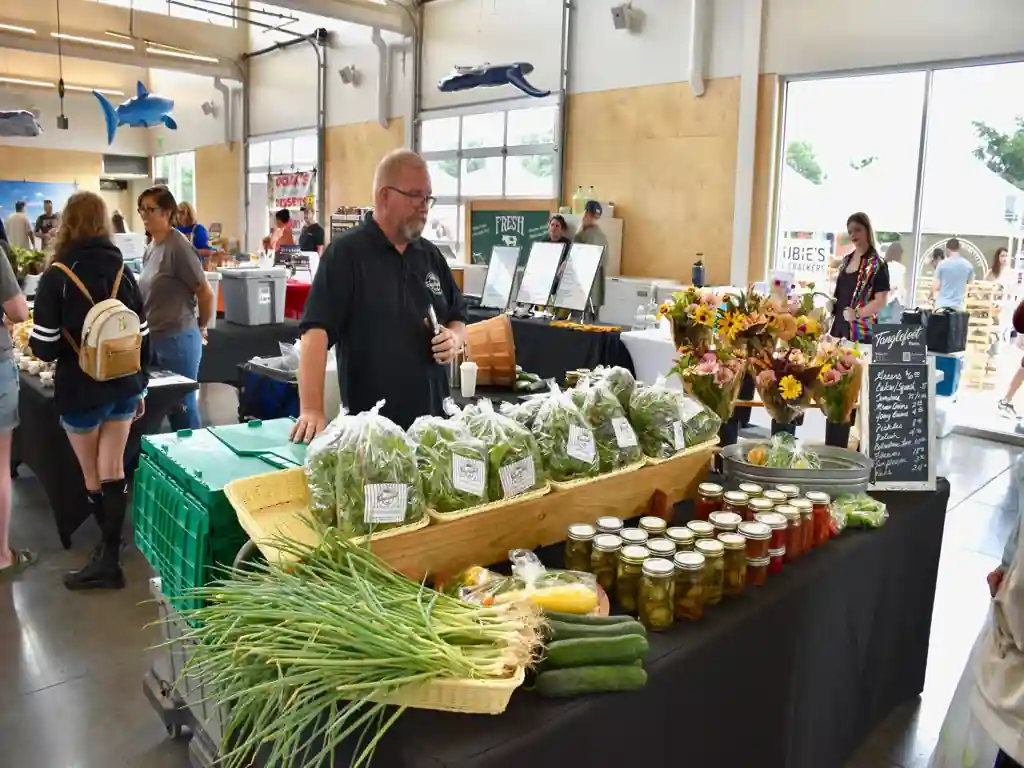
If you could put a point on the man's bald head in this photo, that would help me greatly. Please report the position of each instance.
(401, 195)
(393, 166)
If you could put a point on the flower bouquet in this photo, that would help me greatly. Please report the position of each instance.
(743, 324)
(839, 380)
(713, 376)
(693, 313)
(786, 384)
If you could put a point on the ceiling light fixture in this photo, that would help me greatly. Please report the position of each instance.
(181, 55)
(16, 28)
(30, 83)
(4, 80)
(90, 89)
(92, 41)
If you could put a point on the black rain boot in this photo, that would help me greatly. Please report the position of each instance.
(104, 572)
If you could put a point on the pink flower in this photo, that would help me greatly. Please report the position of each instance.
(724, 376)
(830, 377)
(794, 306)
(848, 360)
(841, 367)
(737, 366)
(709, 357)
(707, 368)
(766, 378)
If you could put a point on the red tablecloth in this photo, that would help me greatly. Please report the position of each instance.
(295, 294)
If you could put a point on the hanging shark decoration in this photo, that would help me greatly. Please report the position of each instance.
(486, 75)
(141, 111)
(19, 122)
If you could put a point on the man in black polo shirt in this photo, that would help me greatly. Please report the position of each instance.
(371, 297)
(312, 236)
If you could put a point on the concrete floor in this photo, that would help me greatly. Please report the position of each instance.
(72, 664)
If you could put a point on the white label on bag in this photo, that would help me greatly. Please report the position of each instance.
(624, 434)
(581, 444)
(469, 475)
(678, 436)
(385, 502)
(690, 409)
(518, 477)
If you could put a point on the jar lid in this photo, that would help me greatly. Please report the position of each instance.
(607, 542)
(802, 504)
(751, 489)
(774, 519)
(759, 562)
(761, 505)
(609, 524)
(710, 547)
(661, 547)
(653, 524)
(658, 566)
(755, 530)
(790, 490)
(680, 535)
(711, 490)
(633, 536)
(732, 541)
(737, 497)
(582, 531)
(776, 497)
(791, 512)
(818, 497)
(725, 519)
(633, 553)
(701, 527)
(777, 552)
(689, 561)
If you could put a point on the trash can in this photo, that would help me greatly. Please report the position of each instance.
(213, 278)
(254, 296)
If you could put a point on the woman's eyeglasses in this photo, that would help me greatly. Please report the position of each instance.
(144, 209)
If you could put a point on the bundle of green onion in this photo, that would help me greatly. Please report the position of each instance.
(300, 658)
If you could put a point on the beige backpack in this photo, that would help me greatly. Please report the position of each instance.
(111, 343)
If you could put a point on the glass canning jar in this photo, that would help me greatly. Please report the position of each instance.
(604, 559)
(734, 561)
(736, 501)
(793, 533)
(777, 557)
(714, 566)
(756, 507)
(791, 491)
(757, 570)
(609, 525)
(725, 522)
(701, 529)
(656, 598)
(821, 515)
(709, 499)
(578, 546)
(683, 538)
(661, 548)
(654, 526)
(775, 497)
(758, 536)
(627, 576)
(690, 577)
(633, 536)
(753, 490)
(806, 524)
(778, 523)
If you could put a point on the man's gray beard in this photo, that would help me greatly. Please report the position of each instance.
(412, 231)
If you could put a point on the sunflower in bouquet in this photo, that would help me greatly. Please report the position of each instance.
(786, 382)
(693, 313)
(743, 324)
(839, 379)
(712, 375)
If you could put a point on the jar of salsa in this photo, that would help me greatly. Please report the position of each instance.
(806, 524)
(609, 525)
(753, 490)
(657, 594)
(709, 499)
(736, 501)
(757, 507)
(734, 561)
(701, 529)
(661, 548)
(627, 576)
(758, 536)
(777, 556)
(791, 491)
(725, 522)
(757, 570)
(578, 545)
(690, 577)
(682, 537)
(775, 497)
(654, 526)
(778, 523)
(793, 532)
(604, 559)
(633, 536)
(714, 566)
(821, 514)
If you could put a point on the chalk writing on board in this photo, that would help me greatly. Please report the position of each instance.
(899, 422)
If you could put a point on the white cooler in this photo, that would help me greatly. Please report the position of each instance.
(254, 296)
(213, 278)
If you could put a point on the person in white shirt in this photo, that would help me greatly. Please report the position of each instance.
(897, 272)
(19, 228)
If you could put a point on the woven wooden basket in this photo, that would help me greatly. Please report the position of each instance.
(491, 345)
(471, 697)
(686, 452)
(447, 517)
(568, 484)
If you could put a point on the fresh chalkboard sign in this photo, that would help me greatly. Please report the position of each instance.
(899, 344)
(510, 228)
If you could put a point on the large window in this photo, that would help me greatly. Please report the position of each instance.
(178, 172)
(219, 15)
(273, 154)
(504, 153)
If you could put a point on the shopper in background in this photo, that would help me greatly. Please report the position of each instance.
(19, 228)
(862, 287)
(96, 415)
(558, 230)
(312, 236)
(282, 234)
(591, 234)
(949, 286)
(997, 271)
(117, 222)
(46, 223)
(175, 290)
(185, 222)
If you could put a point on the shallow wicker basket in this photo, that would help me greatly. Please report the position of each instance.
(447, 517)
(471, 697)
(686, 451)
(276, 504)
(491, 345)
(567, 484)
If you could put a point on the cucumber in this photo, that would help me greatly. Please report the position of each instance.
(558, 630)
(594, 651)
(577, 618)
(560, 683)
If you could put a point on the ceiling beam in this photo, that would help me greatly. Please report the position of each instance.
(388, 17)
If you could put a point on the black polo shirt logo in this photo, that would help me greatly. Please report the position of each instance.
(433, 283)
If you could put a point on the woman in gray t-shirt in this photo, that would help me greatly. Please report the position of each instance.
(175, 291)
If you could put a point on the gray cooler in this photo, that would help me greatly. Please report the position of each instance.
(254, 296)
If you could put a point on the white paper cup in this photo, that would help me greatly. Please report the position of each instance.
(468, 378)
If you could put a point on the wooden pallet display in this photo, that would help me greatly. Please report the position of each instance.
(982, 303)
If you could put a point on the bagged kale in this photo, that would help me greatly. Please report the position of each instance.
(621, 382)
(617, 444)
(321, 468)
(523, 412)
(565, 438)
(513, 459)
(452, 463)
(700, 423)
(667, 420)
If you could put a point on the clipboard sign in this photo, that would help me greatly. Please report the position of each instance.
(501, 275)
(577, 281)
(541, 268)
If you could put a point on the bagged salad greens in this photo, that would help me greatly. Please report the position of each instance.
(514, 463)
(377, 483)
(565, 438)
(321, 468)
(783, 452)
(617, 444)
(621, 382)
(452, 463)
(860, 511)
(668, 420)
(522, 412)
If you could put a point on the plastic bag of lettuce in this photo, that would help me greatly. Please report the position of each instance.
(621, 382)
(522, 412)
(617, 444)
(668, 420)
(513, 459)
(452, 463)
(565, 438)
(321, 468)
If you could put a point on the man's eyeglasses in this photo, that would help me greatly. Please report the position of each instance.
(427, 200)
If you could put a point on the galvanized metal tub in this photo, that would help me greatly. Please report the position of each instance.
(842, 470)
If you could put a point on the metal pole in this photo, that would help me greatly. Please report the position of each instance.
(922, 157)
(321, 127)
(245, 157)
(563, 96)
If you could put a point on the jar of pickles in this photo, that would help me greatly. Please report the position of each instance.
(604, 559)
(627, 576)
(701, 529)
(578, 545)
(714, 566)
(682, 537)
(709, 499)
(758, 536)
(725, 522)
(753, 490)
(656, 599)
(791, 491)
(609, 525)
(757, 507)
(806, 524)
(757, 571)
(778, 523)
(821, 515)
(690, 577)
(775, 497)
(736, 501)
(734, 561)
(793, 541)
(654, 526)
(661, 548)
(633, 536)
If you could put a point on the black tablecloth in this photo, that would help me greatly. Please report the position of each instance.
(40, 443)
(550, 352)
(229, 345)
(794, 674)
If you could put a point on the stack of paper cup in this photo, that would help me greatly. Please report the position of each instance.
(468, 372)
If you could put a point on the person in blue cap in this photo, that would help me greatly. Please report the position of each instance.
(590, 233)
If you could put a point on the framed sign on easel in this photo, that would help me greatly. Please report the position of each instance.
(581, 266)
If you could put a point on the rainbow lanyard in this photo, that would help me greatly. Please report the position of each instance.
(860, 327)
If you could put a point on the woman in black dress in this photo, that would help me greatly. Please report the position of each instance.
(862, 287)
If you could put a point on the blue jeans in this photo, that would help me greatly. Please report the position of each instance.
(181, 354)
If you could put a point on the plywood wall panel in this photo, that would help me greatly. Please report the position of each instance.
(219, 191)
(351, 156)
(54, 165)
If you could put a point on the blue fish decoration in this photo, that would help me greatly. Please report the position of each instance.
(486, 75)
(19, 122)
(143, 110)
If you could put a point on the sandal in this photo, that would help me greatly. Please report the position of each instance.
(20, 560)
